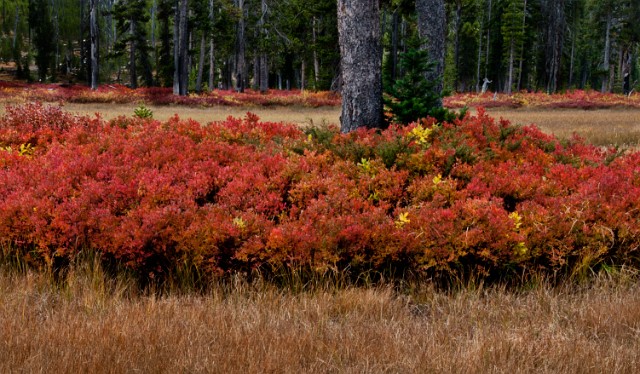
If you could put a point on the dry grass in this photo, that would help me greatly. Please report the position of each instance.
(599, 127)
(88, 324)
(290, 114)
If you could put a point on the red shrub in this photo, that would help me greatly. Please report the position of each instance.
(474, 195)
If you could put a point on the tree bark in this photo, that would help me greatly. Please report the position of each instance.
(395, 18)
(361, 64)
(316, 62)
(176, 49)
(607, 52)
(260, 67)
(303, 76)
(94, 44)
(432, 28)
(211, 50)
(479, 62)
(556, 22)
(133, 73)
(264, 73)
(180, 51)
(184, 51)
(456, 57)
(524, 31)
(512, 51)
(203, 47)
(488, 53)
(241, 73)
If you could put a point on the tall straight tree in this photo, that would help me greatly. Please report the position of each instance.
(263, 66)
(361, 64)
(240, 61)
(180, 45)
(131, 18)
(40, 22)
(212, 59)
(93, 24)
(512, 34)
(432, 28)
(164, 56)
(554, 13)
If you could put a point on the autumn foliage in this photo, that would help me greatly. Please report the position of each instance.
(475, 196)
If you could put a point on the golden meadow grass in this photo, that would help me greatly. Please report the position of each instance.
(92, 322)
(619, 127)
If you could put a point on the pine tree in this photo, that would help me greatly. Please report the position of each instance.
(413, 96)
(131, 18)
(40, 22)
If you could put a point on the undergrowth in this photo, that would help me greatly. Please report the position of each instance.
(177, 203)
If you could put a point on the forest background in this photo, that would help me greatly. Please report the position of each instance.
(535, 45)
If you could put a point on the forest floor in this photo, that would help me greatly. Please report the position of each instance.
(92, 323)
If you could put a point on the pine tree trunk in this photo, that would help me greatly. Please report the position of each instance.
(212, 61)
(316, 62)
(256, 71)
(432, 28)
(556, 22)
(511, 62)
(264, 73)
(240, 50)
(456, 57)
(94, 44)
(607, 53)
(479, 62)
(263, 65)
(176, 49)
(303, 77)
(183, 53)
(524, 30)
(394, 45)
(211, 51)
(488, 53)
(15, 29)
(132, 59)
(361, 64)
(203, 47)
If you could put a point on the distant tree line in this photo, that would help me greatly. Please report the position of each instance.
(193, 45)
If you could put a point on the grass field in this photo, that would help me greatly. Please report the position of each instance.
(600, 127)
(292, 114)
(89, 323)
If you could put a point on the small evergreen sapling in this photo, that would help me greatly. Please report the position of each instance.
(412, 96)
